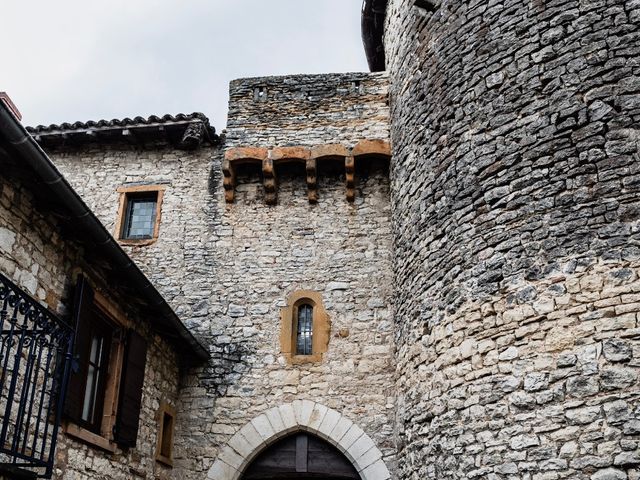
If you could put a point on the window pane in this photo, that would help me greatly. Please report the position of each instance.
(93, 374)
(304, 332)
(140, 218)
(87, 406)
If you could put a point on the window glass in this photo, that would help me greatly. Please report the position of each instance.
(140, 218)
(96, 364)
(304, 330)
(93, 376)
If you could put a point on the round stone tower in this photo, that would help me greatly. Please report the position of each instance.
(516, 199)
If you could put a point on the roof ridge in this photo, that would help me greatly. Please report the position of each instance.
(120, 122)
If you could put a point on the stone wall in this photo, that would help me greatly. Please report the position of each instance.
(515, 205)
(229, 268)
(36, 256)
(308, 110)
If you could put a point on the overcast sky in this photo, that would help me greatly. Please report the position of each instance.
(69, 60)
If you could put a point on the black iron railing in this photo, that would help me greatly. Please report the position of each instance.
(35, 358)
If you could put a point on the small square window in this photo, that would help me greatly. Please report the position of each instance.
(140, 217)
(139, 214)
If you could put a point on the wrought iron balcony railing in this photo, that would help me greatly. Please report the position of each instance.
(35, 358)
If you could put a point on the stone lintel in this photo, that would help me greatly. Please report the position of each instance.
(371, 147)
(289, 153)
(330, 150)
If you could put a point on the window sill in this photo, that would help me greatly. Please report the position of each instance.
(300, 359)
(166, 461)
(89, 437)
(137, 243)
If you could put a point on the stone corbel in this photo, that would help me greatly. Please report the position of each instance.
(363, 149)
(269, 182)
(229, 180)
(350, 174)
(312, 180)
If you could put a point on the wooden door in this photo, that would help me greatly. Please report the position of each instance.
(301, 456)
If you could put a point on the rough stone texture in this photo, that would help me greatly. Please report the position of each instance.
(39, 258)
(515, 204)
(308, 110)
(228, 269)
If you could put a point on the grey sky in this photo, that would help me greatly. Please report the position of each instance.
(69, 60)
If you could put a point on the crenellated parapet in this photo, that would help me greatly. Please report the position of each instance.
(269, 159)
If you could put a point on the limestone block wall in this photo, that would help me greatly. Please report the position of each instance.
(35, 254)
(308, 110)
(515, 206)
(228, 268)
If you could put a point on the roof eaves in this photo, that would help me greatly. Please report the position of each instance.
(38, 161)
(373, 18)
(189, 130)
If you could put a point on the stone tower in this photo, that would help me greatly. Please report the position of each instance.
(515, 197)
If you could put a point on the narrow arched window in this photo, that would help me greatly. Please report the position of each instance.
(304, 332)
(304, 328)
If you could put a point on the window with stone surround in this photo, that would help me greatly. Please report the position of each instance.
(166, 426)
(138, 221)
(102, 404)
(305, 328)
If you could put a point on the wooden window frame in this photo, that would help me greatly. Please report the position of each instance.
(125, 194)
(288, 327)
(105, 439)
(165, 409)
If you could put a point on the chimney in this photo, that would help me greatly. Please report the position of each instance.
(4, 98)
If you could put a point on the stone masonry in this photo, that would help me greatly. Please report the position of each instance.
(41, 260)
(227, 269)
(515, 215)
(484, 302)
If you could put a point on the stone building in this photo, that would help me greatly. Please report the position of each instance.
(61, 270)
(425, 272)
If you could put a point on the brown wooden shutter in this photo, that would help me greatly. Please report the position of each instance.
(128, 416)
(82, 313)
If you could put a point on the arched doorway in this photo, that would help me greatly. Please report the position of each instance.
(300, 456)
(299, 416)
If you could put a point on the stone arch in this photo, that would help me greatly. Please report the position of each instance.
(300, 415)
(372, 147)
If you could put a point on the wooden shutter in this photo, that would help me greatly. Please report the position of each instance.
(128, 415)
(82, 313)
